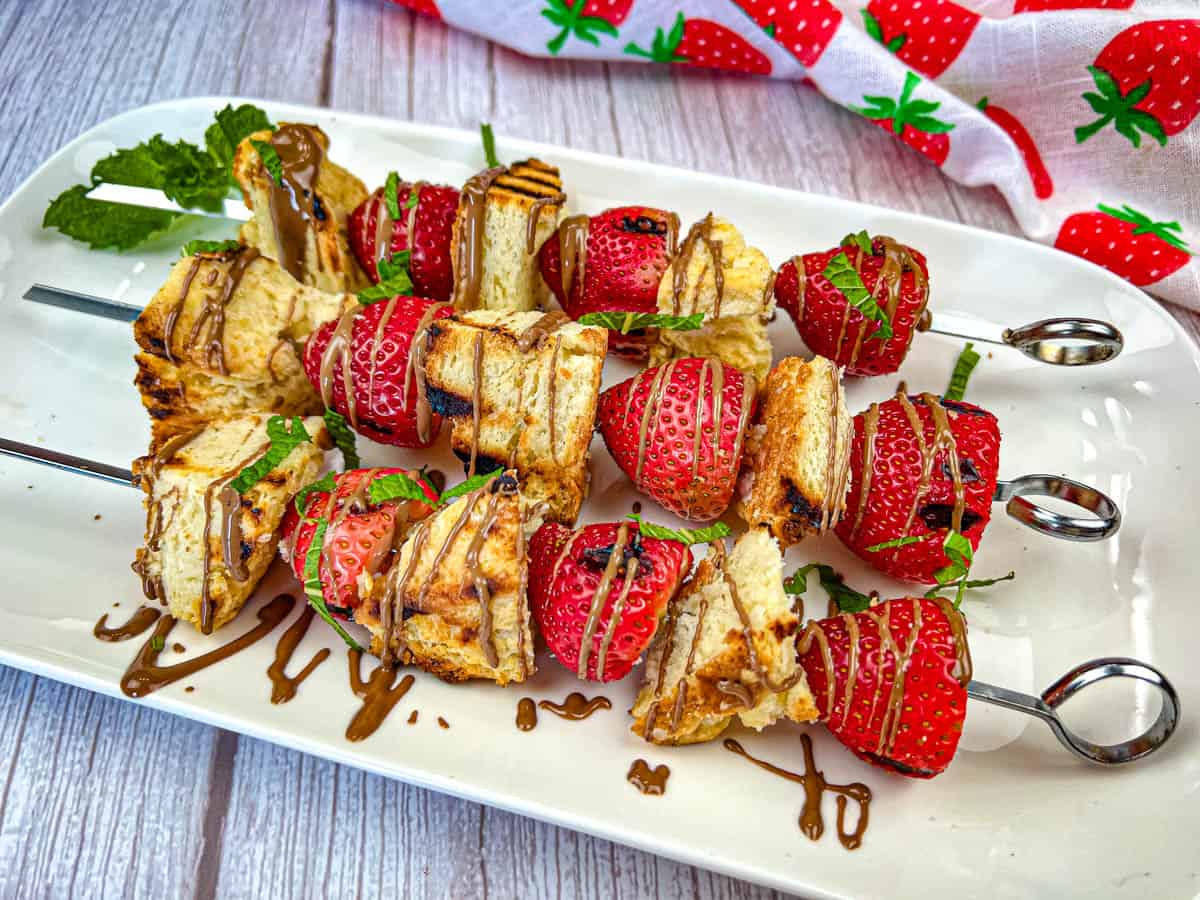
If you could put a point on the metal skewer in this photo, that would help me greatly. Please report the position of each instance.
(1060, 342)
(1107, 519)
(66, 462)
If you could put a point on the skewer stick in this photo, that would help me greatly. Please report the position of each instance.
(76, 464)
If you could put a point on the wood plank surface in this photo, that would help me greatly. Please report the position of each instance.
(100, 798)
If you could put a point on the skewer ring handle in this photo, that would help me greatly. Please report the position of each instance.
(1046, 706)
(1013, 493)
(1067, 342)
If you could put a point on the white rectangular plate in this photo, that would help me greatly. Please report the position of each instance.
(1013, 816)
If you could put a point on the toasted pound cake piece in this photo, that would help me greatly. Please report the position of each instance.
(454, 600)
(224, 335)
(717, 273)
(300, 220)
(207, 547)
(519, 390)
(504, 216)
(725, 648)
(797, 464)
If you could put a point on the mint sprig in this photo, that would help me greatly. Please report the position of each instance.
(270, 159)
(324, 485)
(958, 550)
(968, 359)
(391, 187)
(687, 536)
(312, 582)
(397, 486)
(897, 542)
(859, 239)
(191, 248)
(394, 279)
(626, 321)
(842, 274)
(232, 126)
(474, 483)
(283, 441)
(343, 437)
(845, 598)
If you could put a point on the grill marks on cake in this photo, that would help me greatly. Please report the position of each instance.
(208, 328)
(294, 203)
(812, 824)
(900, 649)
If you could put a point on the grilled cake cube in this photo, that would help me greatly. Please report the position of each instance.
(797, 464)
(207, 548)
(224, 335)
(519, 390)
(458, 586)
(715, 272)
(504, 217)
(701, 671)
(300, 221)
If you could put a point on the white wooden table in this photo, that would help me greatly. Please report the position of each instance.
(103, 798)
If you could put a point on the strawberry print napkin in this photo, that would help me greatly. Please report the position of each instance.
(1081, 112)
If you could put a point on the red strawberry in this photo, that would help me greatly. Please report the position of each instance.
(1043, 186)
(583, 18)
(910, 120)
(908, 488)
(927, 35)
(678, 431)
(1126, 242)
(1048, 5)
(898, 280)
(804, 29)
(700, 42)
(893, 685)
(428, 7)
(1147, 77)
(382, 376)
(624, 259)
(359, 537)
(432, 222)
(567, 580)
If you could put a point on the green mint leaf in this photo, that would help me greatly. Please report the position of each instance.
(395, 265)
(270, 159)
(104, 225)
(474, 483)
(283, 442)
(861, 240)
(343, 437)
(394, 280)
(157, 643)
(191, 248)
(897, 542)
(391, 188)
(413, 196)
(846, 279)
(312, 582)
(182, 171)
(686, 536)
(327, 484)
(397, 486)
(845, 598)
(968, 359)
(489, 145)
(627, 321)
(232, 126)
(988, 582)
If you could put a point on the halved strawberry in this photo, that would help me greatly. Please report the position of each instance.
(897, 279)
(431, 219)
(360, 535)
(890, 682)
(598, 614)
(678, 431)
(382, 377)
(619, 268)
(902, 481)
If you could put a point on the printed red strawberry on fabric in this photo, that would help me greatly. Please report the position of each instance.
(598, 593)
(911, 120)
(893, 686)
(1147, 81)
(359, 537)
(625, 258)
(1126, 242)
(927, 35)
(584, 20)
(1043, 185)
(701, 42)
(803, 28)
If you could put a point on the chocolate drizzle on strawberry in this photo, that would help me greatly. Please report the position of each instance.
(572, 248)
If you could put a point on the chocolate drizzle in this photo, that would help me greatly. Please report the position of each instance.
(469, 231)
(283, 686)
(535, 215)
(378, 696)
(700, 232)
(208, 328)
(143, 675)
(576, 706)
(652, 782)
(600, 598)
(527, 717)
(294, 202)
(143, 617)
(572, 251)
(815, 786)
(339, 350)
